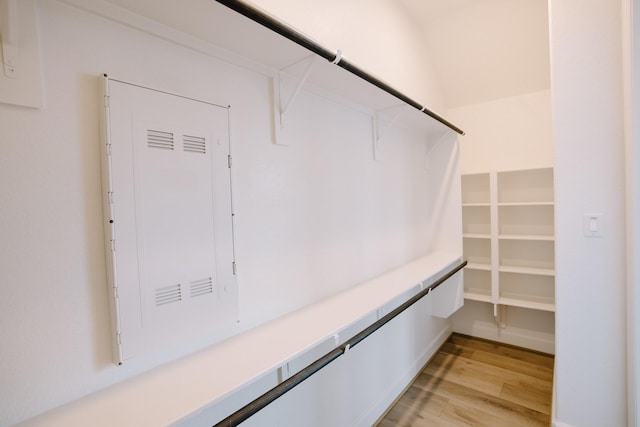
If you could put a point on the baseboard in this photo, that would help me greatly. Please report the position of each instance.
(557, 423)
(506, 336)
(379, 408)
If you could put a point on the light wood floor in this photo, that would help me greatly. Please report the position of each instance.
(474, 382)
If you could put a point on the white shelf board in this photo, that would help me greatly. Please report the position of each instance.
(241, 41)
(471, 205)
(216, 30)
(526, 270)
(478, 266)
(476, 236)
(538, 237)
(335, 80)
(514, 300)
(477, 295)
(525, 203)
(167, 394)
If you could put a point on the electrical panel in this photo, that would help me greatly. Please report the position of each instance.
(168, 220)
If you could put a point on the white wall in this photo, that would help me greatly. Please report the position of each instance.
(506, 134)
(588, 132)
(303, 211)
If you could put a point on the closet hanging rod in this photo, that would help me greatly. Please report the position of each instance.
(295, 36)
(270, 396)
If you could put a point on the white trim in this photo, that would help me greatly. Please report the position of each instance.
(491, 331)
(557, 423)
(631, 80)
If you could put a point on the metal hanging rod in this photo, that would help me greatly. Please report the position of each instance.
(295, 36)
(270, 396)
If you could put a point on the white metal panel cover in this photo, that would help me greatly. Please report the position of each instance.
(168, 220)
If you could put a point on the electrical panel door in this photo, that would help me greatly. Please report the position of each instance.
(168, 220)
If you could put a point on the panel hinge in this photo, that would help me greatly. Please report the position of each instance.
(113, 245)
(118, 338)
(234, 268)
(110, 197)
(229, 161)
(106, 101)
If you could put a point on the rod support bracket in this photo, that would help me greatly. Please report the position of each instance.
(280, 109)
(298, 88)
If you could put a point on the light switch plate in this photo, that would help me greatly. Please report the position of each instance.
(24, 87)
(593, 225)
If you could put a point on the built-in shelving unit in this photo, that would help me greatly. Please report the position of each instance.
(508, 238)
(476, 233)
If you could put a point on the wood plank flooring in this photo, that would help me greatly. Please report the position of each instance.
(474, 382)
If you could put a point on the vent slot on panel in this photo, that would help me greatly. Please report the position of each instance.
(201, 287)
(160, 139)
(168, 294)
(194, 144)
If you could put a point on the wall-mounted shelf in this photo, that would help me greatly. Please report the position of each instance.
(518, 301)
(525, 237)
(527, 270)
(477, 283)
(508, 224)
(206, 377)
(526, 204)
(476, 236)
(341, 75)
(241, 33)
(478, 266)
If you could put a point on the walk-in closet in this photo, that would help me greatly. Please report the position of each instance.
(318, 213)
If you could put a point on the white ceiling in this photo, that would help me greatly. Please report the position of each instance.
(485, 49)
(426, 11)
